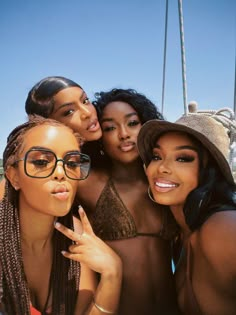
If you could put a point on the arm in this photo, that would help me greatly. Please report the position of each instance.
(215, 257)
(95, 255)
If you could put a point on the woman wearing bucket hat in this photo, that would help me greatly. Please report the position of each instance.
(188, 171)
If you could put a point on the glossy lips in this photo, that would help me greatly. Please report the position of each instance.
(127, 146)
(163, 185)
(93, 125)
(61, 192)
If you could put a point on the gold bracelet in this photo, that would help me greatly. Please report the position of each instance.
(101, 309)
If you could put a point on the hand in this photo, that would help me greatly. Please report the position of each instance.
(89, 249)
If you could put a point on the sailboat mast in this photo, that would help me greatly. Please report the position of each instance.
(164, 60)
(235, 88)
(181, 28)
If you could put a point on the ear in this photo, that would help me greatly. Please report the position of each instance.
(12, 176)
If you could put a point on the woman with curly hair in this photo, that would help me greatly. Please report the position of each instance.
(116, 200)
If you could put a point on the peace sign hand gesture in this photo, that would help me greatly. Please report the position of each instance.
(88, 248)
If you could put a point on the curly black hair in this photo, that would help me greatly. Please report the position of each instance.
(144, 107)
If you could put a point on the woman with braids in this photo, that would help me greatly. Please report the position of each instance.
(44, 270)
(188, 172)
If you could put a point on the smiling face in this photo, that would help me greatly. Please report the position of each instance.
(174, 169)
(73, 108)
(52, 195)
(120, 126)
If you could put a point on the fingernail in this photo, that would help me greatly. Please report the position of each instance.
(81, 210)
(63, 252)
(57, 224)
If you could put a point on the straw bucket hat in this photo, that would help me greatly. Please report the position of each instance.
(208, 130)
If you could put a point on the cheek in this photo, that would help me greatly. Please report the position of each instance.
(92, 110)
(74, 186)
(136, 130)
(108, 140)
(150, 170)
(191, 179)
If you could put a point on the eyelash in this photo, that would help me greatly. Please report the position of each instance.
(131, 123)
(86, 101)
(181, 159)
(68, 112)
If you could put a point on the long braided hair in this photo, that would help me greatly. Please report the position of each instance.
(65, 273)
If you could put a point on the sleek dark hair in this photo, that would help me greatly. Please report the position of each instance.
(65, 273)
(145, 108)
(213, 193)
(40, 97)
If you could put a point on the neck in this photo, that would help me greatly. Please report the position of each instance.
(127, 172)
(36, 230)
(180, 219)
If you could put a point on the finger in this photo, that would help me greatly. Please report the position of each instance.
(76, 249)
(67, 232)
(87, 228)
(75, 257)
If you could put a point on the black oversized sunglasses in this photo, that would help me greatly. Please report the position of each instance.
(41, 163)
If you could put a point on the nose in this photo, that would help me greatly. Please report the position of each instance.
(123, 133)
(59, 172)
(85, 112)
(164, 166)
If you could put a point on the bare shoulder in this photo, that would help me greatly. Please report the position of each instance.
(216, 241)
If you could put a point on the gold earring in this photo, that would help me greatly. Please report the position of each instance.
(149, 195)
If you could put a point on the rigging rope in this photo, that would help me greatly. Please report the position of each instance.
(181, 27)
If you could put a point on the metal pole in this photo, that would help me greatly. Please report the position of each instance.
(164, 62)
(181, 27)
(235, 88)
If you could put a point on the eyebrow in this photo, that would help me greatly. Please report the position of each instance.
(50, 150)
(181, 147)
(126, 116)
(68, 104)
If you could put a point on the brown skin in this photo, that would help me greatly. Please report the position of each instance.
(38, 212)
(148, 285)
(213, 272)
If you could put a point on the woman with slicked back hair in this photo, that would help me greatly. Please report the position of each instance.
(64, 100)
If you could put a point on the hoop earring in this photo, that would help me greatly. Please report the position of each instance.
(150, 195)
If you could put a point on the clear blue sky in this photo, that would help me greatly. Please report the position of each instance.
(103, 44)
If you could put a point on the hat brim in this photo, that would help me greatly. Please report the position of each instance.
(152, 130)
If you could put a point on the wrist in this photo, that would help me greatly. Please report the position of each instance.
(114, 271)
(102, 309)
